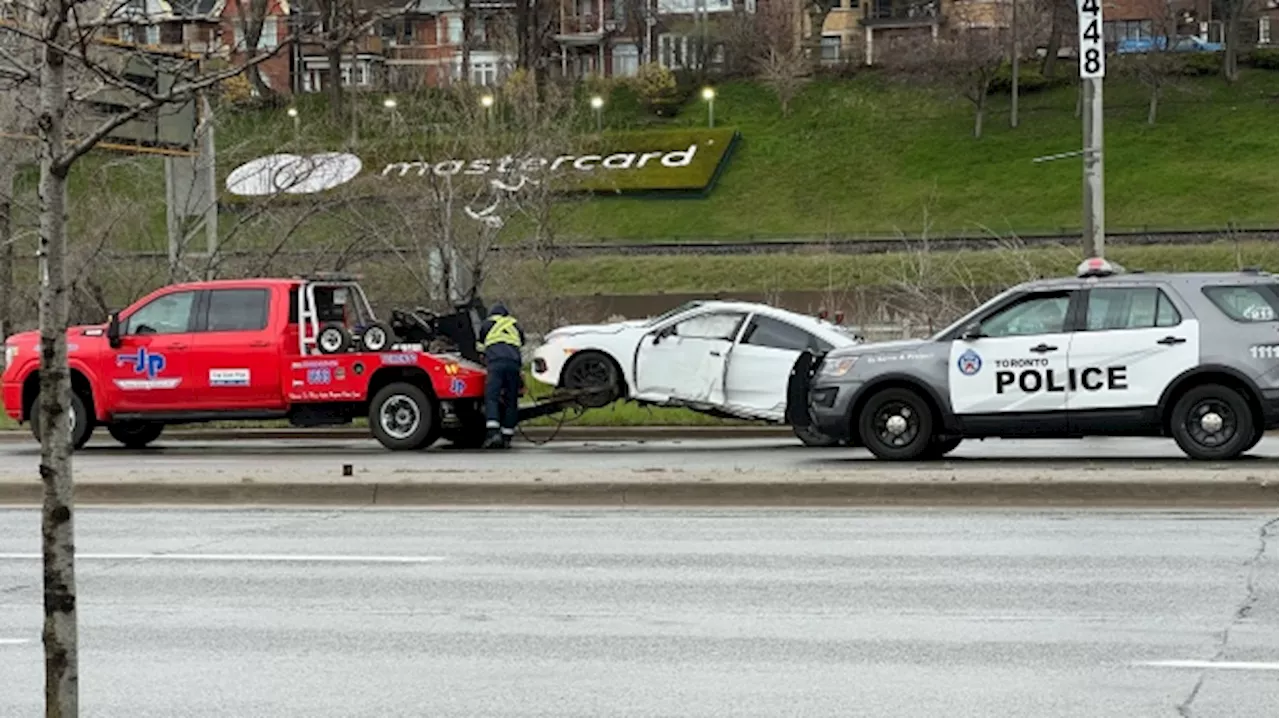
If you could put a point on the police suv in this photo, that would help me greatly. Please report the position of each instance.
(1105, 353)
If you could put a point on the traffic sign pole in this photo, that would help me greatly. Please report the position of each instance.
(1092, 70)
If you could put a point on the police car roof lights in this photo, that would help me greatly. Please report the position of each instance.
(1098, 267)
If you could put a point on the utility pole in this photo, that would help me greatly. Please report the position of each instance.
(1013, 31)
(1092, 69)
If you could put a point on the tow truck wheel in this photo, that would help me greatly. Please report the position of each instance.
(376, 337)
(135, 434)
(403, 417)
(592, 370)
(81, 422)
(896, 424)
(810, 436)
(333, 338)
(1212, 422)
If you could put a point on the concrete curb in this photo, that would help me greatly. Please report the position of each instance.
(569, 433)
(1120, 494)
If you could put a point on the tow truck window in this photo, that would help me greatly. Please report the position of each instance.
(237, 310)
(1130, 308)
(168, 314)
(1035, 314)
(766, 332)
(1245, 303)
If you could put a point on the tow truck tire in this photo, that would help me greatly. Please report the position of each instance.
(403, 418)
(376, 337)
(1202, 436)
(810, 436)
(333, 339)
(81, 423)
(135, 434)
(939, 448)
(896, 424)
(593, 370)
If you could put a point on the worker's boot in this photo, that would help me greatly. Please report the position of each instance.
(493, 440)
(506, 440)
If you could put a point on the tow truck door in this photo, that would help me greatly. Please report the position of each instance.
(686, 360)
(236, 349)
(150, 370)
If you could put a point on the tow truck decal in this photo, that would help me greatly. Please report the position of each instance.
(144, 362)
(228, 377)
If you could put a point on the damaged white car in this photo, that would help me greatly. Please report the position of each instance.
(729, 359)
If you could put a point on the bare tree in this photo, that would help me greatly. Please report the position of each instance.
(780, 60)
(817, 10)
(1062, 22)
(1236, 11)
(251, 16)
(965, 60)
(1160, 68)
(71, 67)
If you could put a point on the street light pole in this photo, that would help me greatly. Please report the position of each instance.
(709, 94)
(597, 105)
(1092, 70)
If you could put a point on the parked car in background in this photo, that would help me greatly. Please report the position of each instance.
(722, 358)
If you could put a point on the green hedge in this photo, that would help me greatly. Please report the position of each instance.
(1030, 79)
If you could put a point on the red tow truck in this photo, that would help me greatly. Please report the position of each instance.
(309, 350)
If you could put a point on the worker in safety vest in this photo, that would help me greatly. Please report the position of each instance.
(501, 339)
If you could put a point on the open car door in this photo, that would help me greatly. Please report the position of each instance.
(685, 360)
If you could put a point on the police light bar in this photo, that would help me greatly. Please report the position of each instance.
(1098, 267)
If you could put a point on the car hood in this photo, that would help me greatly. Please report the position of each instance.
(582, 329)
(878, 348)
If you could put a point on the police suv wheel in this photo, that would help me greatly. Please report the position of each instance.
(376, 337)
(403, 417)
(333, 338)
(896, 424)
(1212, 422)
(939, 448)
(81, 423)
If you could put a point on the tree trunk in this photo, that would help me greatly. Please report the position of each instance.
(1057, 27)
(467, 21)
(523, 39)
(1231, 41)
(333, 53)
(354, 139)
(817, 16)
(1152, 103)
(1014, 66)
(8, 169)
(58, 546)
(980, 109)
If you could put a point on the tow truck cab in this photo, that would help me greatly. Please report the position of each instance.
(248, 350)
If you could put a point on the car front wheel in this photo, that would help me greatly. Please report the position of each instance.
(81, 422)
(896, 424)
(1212, 422)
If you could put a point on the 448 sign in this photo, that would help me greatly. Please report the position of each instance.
(1092, 50)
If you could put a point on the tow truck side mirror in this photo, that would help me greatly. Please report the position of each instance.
(113, 331)
(972, 331)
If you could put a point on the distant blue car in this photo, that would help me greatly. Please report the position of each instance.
(1150, 44)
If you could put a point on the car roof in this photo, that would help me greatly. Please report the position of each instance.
(1194, 279)
(803, 320)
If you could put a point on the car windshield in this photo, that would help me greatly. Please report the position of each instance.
(671, 313)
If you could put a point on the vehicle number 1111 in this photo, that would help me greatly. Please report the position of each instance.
(1265, 351)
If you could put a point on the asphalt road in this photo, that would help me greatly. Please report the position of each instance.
(302, 458)
(655, 613)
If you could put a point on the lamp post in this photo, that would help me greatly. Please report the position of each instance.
(709, 94)
(391, 104)
(487, 103)
(597, 104)
(297, 123)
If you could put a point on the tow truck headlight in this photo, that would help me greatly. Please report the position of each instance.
(837, 367)
(10, 353)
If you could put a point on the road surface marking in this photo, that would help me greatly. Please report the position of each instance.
(1222, 665)
(14, 641)
(236, 557)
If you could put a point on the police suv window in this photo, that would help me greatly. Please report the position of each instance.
(710, 326)
(170, 314)
(766, 332)
(1037, 314)
(1245, 303)
(237, 310)
(1130, 308)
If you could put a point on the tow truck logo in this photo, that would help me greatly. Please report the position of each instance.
(148, 364)
(969, 363)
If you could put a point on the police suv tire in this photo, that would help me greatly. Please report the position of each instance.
(403, 418)
(809, 436)
(376, 337)
(939, 448)
(333, 339)
(1210, 397)
(135, 434)
(912, 409)
(83, 423)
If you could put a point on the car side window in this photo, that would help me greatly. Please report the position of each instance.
(716, 325)
(237, 310)
(767, 332)
(1129, 308)
(167, 314)
(1044, 313)
(1244, 303)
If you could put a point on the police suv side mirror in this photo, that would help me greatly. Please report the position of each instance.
(972, 331)
(113, 331)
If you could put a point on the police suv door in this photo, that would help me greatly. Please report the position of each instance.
(1133, 342)
(1009, 377)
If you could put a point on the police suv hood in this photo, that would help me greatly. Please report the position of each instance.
(877, 348)
(580, 329)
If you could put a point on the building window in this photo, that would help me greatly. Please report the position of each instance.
(830, 48)
(268, 39)
(484, 73)
(673, 51)
(153, 34)
(626, 61)
(455, 31)
(1117, 30)
(1264, 30)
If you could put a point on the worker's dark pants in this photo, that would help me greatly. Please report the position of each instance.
(502, 396)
